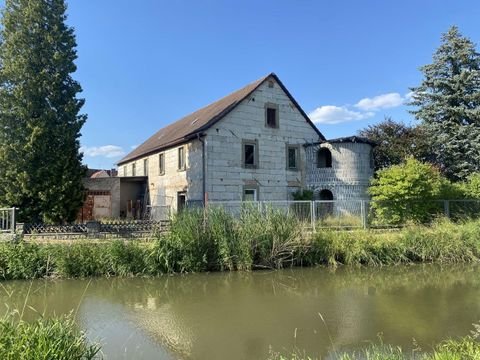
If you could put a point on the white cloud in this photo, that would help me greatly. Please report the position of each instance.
(331, 114)
(133, 147)
(383, 101)
(409, 96)
(108, 151)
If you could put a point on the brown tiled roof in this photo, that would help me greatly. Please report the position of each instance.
(191, 125)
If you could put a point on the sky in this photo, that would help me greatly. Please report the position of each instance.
(144, 64)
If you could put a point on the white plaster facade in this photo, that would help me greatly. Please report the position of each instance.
(226, 176)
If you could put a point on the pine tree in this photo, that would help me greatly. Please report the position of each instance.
(40, 121)
(448, 103)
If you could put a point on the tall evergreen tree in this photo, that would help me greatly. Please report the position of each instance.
(40, 120)
(448, 103)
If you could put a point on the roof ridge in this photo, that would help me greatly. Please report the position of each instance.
(182, 130)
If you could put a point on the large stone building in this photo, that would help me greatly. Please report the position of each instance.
(254, 144)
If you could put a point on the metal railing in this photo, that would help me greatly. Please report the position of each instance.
(355, 213)
(7, 220)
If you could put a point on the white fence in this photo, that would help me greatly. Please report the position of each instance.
(7, 220)
(350, 214)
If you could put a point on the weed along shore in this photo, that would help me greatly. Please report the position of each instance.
(218, 241)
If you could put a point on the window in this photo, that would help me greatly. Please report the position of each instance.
(271, 116)
(181, 158)
(250, 154)
(161, 164)
(324, 158)
(292, 157)
(133, 169)
(249, 194)
(145, 167)
(124, 171)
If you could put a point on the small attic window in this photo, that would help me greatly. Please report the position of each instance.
(270, 83)
(271, 115)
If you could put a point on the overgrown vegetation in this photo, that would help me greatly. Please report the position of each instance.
(253, 239)
(53, 339)
(413, 191)
(466, 348)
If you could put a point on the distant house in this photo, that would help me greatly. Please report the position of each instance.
(254, 144)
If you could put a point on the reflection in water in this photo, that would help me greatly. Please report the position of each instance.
(240, 315)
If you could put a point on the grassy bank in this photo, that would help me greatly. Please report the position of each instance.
(464, 349)
(252, 240)
(56, 338)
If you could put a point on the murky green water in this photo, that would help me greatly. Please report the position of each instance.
(240, 315)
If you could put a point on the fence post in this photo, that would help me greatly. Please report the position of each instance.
(363, 214)
(446, 208)
(13, 225)
(312, 214)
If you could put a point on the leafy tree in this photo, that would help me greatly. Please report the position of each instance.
(471, 187)
(406, 192)
(397, 141)
(448, 104)
(40, 120)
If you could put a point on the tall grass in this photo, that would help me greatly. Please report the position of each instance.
(53, 339)
(466, 348)
(442, 242)
(215, 240)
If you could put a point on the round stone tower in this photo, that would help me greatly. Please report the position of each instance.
(339, 169)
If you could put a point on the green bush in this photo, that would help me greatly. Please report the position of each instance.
(407, 192)
(53, 339)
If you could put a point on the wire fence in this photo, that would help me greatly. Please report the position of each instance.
(351, 214)
(158, 213)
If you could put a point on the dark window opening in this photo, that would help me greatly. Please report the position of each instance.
(250, 195)
(324, 158)
(292, 157)
(272, 118)
(145, 167)
(249, 153)
(133, 169)
(161, 163)
(181, 158)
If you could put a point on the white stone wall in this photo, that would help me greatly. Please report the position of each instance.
(350, 174)
(164, 188)
(226, 176)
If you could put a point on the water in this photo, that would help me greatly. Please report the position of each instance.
(241, 315)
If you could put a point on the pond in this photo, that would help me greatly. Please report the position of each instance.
(241, 315)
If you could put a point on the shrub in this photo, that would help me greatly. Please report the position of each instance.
(406, 192)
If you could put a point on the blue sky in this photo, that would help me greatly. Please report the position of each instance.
(146, 63)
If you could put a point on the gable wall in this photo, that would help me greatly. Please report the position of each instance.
(226, 176)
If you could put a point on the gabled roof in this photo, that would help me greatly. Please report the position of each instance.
(195, 123)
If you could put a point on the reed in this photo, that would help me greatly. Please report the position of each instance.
(214, 240)
(55, 338)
